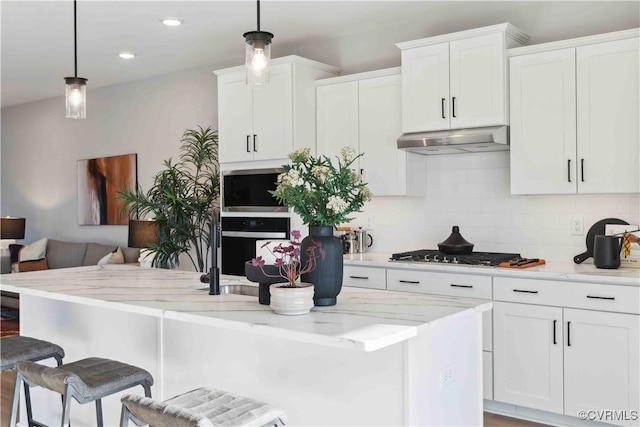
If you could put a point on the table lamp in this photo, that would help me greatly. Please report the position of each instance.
(142, 233)
(12, 227)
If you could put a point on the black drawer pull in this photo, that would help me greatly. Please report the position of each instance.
(569, 170)
(248, 151)
(359, 277)
(568, 334)
(453, 106)
(453, 285)
(413, 282)
(254, 143)
(555, 341)
(595, 297)
(443, 116)
(525, 291)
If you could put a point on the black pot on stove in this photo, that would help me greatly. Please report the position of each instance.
(455, 243)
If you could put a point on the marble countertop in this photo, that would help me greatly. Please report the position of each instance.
(363, 319)
(571, 272)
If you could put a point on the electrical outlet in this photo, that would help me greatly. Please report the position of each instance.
(370, 223)
(577, 226)
(447, 376)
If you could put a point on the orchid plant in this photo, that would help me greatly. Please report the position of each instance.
(288, 258)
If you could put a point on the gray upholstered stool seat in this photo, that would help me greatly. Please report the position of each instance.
(85, 380)
(19, 348)
(202, 407)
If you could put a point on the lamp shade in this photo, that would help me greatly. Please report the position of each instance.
(12, 227)
(143, 232)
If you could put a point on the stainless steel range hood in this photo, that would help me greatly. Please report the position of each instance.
(475, 140)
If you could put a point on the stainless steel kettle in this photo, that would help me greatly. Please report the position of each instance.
(365, 240)
(606, 251)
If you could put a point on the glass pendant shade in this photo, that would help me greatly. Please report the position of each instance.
(258, 57)
(76, 97)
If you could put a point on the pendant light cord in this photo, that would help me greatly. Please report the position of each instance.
(258, 14)
(75, 42)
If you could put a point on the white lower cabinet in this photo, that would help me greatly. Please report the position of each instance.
(528, 355)
(456, 285)
(364, 277)
(565, 359)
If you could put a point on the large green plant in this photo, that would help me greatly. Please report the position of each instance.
(182, 198)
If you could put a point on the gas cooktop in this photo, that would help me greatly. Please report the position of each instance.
(474, 258)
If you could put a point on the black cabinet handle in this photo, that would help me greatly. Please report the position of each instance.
(555, 323)
(461, 286)
(254, 143)
(443, 116)
(525, 291)
(453, 106)
(569, 170)
(409, 281)
(248, 151)
(582, 170)
(359, 277)
(596, 297)
(361, 172)
(568, 334)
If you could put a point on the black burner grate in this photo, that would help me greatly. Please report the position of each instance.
(474, 258)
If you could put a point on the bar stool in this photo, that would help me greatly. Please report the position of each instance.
(20, 348)
(202, 407)
(85, 380)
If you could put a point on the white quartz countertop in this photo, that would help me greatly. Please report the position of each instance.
(585, 272)
(362, 319)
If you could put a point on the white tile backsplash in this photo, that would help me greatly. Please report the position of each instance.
(473, 192)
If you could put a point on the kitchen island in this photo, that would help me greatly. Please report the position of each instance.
(375, 358)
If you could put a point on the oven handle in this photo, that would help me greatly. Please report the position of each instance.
(255, 234)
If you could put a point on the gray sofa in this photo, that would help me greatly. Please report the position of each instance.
(61, 254)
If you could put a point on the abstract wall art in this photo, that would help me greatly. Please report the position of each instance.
(99, 181)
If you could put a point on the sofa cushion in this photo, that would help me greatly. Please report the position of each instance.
(115, 257)
(66, 254)
(33, 252)
(130, 254)
(95, 252)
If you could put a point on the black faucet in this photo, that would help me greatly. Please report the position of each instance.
(213, 276)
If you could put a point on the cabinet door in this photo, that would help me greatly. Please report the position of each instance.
(608, 117)
(383, 166)
(527, 355)
(601, 361)
(273, 116)
(477, 81)
(235, 119)
(425, 88)
(337, 118)
(543, 123)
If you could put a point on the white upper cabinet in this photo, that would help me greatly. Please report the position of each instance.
(575, 117)
(362, 111)
(268, 122)
(457, 80)
(608, 117)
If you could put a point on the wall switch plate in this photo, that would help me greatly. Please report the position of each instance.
(370, 223)
(577, 226)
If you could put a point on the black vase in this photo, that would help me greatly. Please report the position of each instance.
(327, 276)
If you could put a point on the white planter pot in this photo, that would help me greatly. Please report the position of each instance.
(291, 301)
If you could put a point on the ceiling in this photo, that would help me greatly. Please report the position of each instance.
(37, 36)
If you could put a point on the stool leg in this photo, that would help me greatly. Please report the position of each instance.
(14, 402)
(27, 399)
(99, 412)
(124, 417)
(66, 406)
(147, 389)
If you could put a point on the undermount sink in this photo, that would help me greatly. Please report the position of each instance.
(249, 290)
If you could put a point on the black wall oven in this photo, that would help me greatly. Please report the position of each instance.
(248, 190)
(239, 236)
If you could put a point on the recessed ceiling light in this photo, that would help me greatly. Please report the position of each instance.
(126, 55)
(170, 22)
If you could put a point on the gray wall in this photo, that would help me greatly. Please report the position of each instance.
(40, 147)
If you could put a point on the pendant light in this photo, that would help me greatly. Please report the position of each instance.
(258, 55)
(75, 87)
